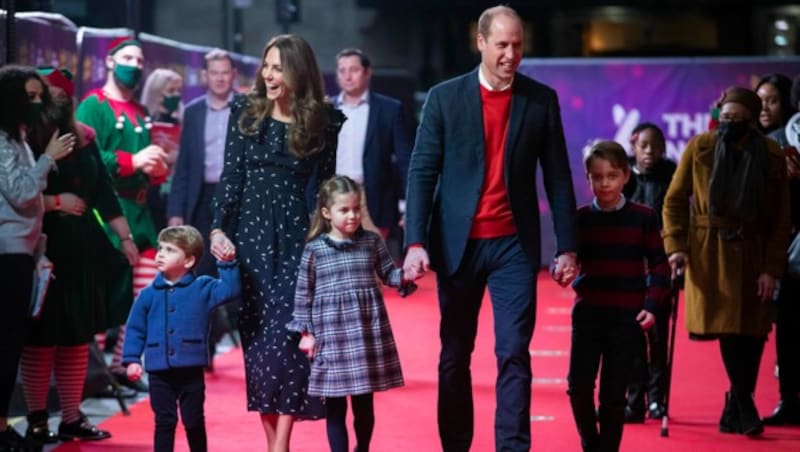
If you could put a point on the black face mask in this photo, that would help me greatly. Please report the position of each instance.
(732, 130)
(62, 116)
(32, 114)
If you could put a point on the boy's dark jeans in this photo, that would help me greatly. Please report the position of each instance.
(610, 334)
(649, 368)
(184, 387)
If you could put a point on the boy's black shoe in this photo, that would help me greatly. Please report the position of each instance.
(38, 430)
(81, 430)
(633, 416)
(786, 413)
(656, 410)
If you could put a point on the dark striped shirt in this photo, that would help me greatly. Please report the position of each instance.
(622, 258)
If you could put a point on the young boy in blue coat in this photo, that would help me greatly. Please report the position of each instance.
(169, 322)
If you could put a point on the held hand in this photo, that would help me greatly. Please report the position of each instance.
(175, 221)
(646, 319)
(416, 263)
(678, 262)
(60, 146)
(130, 251)
(221, 247)
(71, 204)
(134, 372)
(308, 345)
(566, 269)
(766, 287)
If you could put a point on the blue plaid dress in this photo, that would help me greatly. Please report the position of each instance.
(339, 301)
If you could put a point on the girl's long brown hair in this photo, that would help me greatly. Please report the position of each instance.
(303, 80)
(337, 185)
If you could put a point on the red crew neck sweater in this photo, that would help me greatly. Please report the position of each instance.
(493, 217)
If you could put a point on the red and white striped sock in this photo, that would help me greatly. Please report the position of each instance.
(100, 339)
(144, 272)
(70, 371)
(36, 365)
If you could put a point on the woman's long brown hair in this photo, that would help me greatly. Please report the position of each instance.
(337, 185)
(303, 80)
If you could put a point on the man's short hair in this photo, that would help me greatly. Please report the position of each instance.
(355, 52)
(487, 17)
(216, 55)
(185, 237)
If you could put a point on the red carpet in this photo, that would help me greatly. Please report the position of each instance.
(406, 417)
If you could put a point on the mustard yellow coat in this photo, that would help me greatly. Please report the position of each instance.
(721, 279)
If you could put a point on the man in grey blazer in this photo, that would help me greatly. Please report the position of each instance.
(472, 203)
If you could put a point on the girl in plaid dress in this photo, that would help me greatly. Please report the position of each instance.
(340, 314)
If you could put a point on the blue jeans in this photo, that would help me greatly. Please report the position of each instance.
(502, 265)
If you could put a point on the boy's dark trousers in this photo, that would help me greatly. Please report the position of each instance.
(649, 370)
(611, 334)
(184, 387)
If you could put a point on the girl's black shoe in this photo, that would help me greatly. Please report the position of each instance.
(81, 430)
(38, 430)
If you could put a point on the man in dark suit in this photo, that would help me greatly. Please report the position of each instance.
(202, 146)
(472, 203)
(374, 143)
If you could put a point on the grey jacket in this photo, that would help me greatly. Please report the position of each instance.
(22, 181)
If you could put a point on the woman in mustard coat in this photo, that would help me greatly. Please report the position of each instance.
(726, 217)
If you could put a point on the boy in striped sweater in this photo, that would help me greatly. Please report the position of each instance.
(623, 277)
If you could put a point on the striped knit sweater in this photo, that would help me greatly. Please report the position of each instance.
(622, 258)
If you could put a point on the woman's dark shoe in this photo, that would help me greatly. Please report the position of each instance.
(729, 422)
(38, 430)
(749, 420)
(786, 413)
(81, 430)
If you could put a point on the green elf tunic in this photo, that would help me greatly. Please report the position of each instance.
(123, 129)
(93, 288)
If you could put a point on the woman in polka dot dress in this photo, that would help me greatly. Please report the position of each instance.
(281, 143)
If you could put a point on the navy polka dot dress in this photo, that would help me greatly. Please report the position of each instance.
(262, 203)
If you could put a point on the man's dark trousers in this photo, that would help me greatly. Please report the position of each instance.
(501, 264)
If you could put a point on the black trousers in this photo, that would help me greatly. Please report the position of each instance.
(610, 335)
(502, 265)
(16, 284)
(787, 339)
(180, 387)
